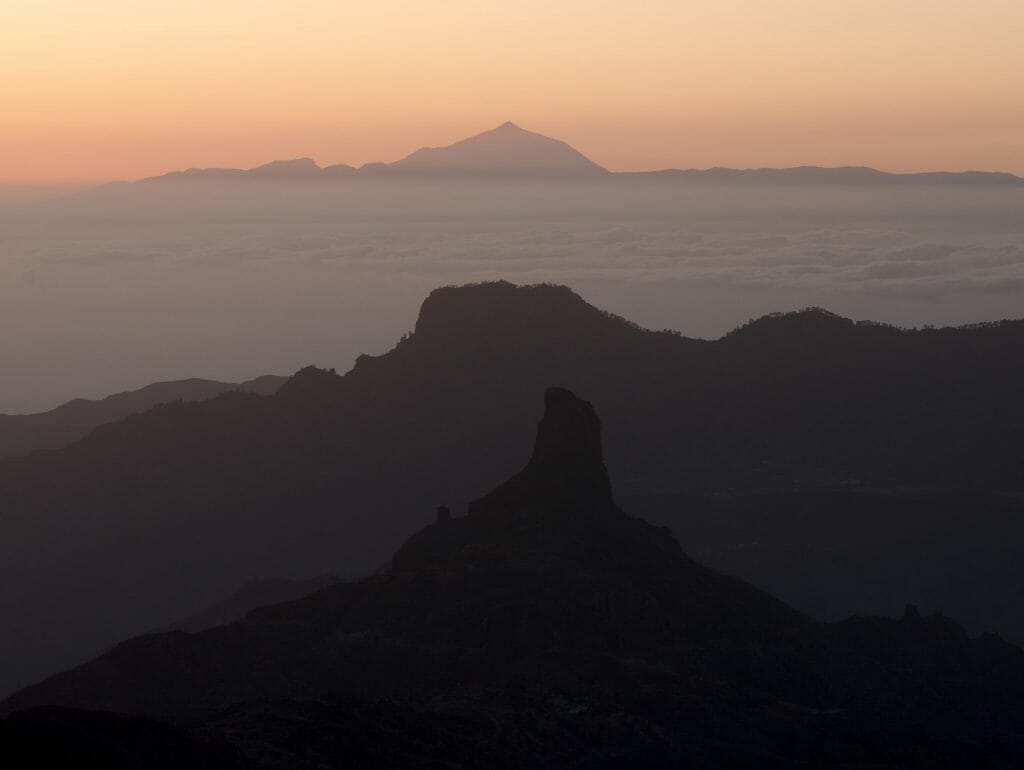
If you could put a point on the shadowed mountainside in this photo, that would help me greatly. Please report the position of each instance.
(22, 434)
(260, 592)
(546, 628)
(848, 436)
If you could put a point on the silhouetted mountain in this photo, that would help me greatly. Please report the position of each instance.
(340, 170)
(507, 148)
(504, 150)
(818, 175)
(816, 456)
(293, 170)
(510, 151)
(287, 169)
(21, 434)
(548, 628)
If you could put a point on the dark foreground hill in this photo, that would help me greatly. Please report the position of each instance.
(22, 434)
(545, 628)
(846, 467)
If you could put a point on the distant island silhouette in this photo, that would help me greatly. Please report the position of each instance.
(511, 151)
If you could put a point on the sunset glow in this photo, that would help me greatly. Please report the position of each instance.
(124, 89)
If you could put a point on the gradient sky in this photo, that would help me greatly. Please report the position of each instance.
(119, 89)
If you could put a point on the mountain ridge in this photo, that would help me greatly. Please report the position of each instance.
(507, 148)
(512, 152)
(734, 443)
(22, 434)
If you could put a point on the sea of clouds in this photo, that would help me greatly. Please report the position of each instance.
(92, 306)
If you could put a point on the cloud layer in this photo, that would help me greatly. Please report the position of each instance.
(101, 306)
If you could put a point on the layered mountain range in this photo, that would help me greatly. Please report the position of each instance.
(545, 628)
(509, 151)
(22, 434)
(845, 467)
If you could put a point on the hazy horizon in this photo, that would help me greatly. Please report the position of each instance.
(119, 90)
(30, 190)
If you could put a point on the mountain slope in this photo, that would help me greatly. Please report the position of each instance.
(296, 170)
(851, 438)
(547, 594)
(260, 592)
(507, 148)
(21, 434)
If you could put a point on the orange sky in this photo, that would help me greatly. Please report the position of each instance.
(119, 89)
